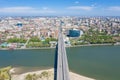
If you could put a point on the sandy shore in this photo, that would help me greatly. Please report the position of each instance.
(73, 76)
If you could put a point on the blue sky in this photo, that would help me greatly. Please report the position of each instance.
(60, 7)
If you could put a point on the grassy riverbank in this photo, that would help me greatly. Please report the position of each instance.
(109, 44)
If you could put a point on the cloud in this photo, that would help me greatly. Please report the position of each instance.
(94, 4)
(114, 8)
(86, 8)
(45, 8)
(15, 9)
(76, 2)
(25, 9)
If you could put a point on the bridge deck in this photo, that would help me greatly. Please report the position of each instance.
(62, 70)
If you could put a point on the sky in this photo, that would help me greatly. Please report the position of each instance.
(59, 7)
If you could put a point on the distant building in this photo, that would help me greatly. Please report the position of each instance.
(19, 24)
(3, 44)
(73, 33)
(53, 43)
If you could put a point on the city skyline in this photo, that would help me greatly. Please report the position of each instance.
(60, 8)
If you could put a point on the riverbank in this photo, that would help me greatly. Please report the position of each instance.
(49, 72)
(109, 44)
(27, 48)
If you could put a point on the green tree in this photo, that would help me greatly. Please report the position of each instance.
(16, 40)
(35, 39)
(95, 37)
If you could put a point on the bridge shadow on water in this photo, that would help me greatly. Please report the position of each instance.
(55, 62)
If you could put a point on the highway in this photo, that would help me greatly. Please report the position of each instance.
(62, 70)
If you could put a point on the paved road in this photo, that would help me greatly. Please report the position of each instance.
(62, 71)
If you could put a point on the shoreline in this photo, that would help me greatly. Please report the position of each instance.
(109, 44)
(73, 76)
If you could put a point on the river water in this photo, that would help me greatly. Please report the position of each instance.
(99, 62)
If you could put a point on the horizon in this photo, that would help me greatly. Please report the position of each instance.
(55, 16)
(60, 8)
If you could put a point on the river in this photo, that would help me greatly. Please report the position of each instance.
(99, 62)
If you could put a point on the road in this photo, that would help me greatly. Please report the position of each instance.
(62, 70)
